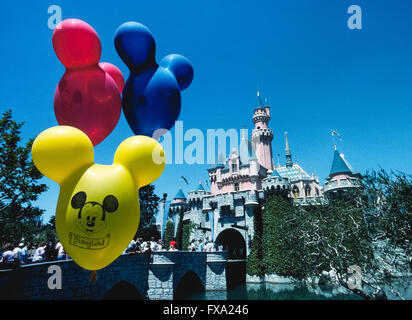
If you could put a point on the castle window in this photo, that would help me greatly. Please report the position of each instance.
(236, 186)
(295, 192)
(307, 191)
(234, 167)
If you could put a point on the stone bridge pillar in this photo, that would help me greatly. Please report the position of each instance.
(160, 277)
(216, 271)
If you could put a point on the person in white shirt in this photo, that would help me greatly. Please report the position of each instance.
(192, 246)
(153, 245)
(61, 254)
(160, 246)
(25, 252)
(19, 252)
(208, 246)
(39, 253)
(144, 246)
(9, 257)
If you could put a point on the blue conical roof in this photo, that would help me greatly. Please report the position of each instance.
(259, 103)
(275, 173)
(200, 187)
(180, 194)
(339, 165)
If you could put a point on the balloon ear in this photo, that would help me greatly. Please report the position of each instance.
(180, 67)
(78, 200)
(60, 151)
(110, 203)
(135, 45)
(143, 156)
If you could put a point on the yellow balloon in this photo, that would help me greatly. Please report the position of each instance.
(98, 210)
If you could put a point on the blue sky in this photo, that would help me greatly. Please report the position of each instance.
(317, 74)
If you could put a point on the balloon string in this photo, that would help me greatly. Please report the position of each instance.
(93, 276)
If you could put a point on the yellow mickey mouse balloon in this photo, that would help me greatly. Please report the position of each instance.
(98, 210)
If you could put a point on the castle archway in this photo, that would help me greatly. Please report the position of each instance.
(123, 290)
(235, 245)
(188, 285)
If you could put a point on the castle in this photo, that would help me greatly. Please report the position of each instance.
(239, 183)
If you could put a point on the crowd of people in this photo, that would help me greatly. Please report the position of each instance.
(17, 254)
(140, 246)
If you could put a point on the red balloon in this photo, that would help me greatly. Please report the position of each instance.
(76, 43)
(88, 95)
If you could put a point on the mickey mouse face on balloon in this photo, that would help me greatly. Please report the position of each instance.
(92, 215)
(151, 96)
(97, 211)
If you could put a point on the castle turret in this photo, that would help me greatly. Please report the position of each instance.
(178, 207)
(275, 184)
(196, 196)
(262, 136)
(341, 178)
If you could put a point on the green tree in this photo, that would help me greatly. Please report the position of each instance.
(306, 241)
(254, 264)
(187, 230)
(179, 235)
(19, 183)
(281, 245)
(386, 200)
(149, 203)
(169, 233)
(47, 232)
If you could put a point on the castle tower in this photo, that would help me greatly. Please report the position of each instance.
(341, 178)
(262, 136)
(288, 154)
(178, 207)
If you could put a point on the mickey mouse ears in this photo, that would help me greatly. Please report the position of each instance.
(76, 43)
(135, 45)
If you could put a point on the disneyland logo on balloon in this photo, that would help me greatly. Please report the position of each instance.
(193, 146)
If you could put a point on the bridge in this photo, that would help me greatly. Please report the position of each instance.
(156, 276)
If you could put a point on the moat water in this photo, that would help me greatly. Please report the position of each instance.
(298, 291)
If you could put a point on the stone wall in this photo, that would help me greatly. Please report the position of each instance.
(154, 276)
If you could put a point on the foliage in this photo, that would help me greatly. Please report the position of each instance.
(254, 265)
(387, 201)
(149, 202)
(369, 227)
(279, 242)
(179, 235)
(187, 230)
(19, 184)
(169, 233)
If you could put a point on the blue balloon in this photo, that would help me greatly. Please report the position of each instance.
(151, 96)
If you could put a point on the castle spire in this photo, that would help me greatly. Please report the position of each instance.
(200, 186)
(259, 103)
(289, 162)
(180, 194)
